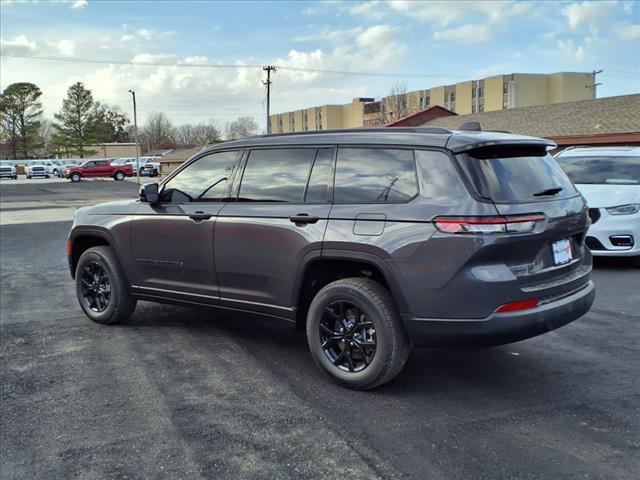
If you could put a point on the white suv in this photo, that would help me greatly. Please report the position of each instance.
(609, 179)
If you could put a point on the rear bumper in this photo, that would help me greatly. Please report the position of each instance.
(500, 328)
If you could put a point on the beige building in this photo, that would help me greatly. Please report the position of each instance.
(498, 92)
(106, 150)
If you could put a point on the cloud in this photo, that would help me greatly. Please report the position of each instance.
(440, 13)
(587, 13)
(572, 53)
(628, 32)
(465, 34)
(20, 45)
(377, 36)
(144, 34)
(329, 36)
(79, 4)
(153, 57)
(66, 47)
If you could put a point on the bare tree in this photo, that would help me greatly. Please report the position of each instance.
(395, 105)
(243, 127)
(206, 133)
(158, 132)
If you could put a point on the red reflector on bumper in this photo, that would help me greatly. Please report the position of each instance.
(517, 306)
(68, 248)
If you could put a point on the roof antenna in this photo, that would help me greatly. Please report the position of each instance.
(471, 127)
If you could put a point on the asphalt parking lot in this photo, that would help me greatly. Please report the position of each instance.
(182, 393)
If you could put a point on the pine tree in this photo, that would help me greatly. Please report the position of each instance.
(20, 117)
(75, 126)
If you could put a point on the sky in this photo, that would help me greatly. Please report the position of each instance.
(423, 44)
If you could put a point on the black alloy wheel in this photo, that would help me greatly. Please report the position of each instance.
(348, 337)
(96, 287)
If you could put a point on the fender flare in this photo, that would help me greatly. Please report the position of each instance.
(349, 255)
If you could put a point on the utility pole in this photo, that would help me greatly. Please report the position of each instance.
(267, 83)
(135, 133)
(595, 85)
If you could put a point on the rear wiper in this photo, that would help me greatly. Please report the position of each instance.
(548, 191)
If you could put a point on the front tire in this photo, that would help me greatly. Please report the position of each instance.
(101, 287)
(355, 334)
(28, 177)
(76, 177)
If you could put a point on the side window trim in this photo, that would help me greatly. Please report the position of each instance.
(330, 175)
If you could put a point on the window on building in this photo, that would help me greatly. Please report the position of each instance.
(204, 180)
(505, 88)
(480, 91)
(319, 178)
(276, 175)
(372, 175)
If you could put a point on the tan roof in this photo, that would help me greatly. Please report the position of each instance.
(180, 155)
(586, 117)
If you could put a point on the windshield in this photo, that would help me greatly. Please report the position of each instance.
(512, 179)
(615, 170)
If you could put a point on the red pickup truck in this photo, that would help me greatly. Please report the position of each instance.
(98, 168)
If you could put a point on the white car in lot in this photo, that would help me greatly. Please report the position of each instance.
(8, 170)
(44, 168)
(36, 168)
(148, 165)
(609, 179)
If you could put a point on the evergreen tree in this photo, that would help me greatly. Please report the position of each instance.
(20, 117)
(75, 123)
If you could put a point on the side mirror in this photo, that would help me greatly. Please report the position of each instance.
(149, 193)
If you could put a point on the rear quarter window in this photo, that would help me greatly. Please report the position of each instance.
(375, 175)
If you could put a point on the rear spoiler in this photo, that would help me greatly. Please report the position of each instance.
(464, 141)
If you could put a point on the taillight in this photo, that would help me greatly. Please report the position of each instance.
(493, 224)
(518, 306)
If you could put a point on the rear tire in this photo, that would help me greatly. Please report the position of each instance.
(75, 177)
(101, 287)
(118, 176)
(28, 177)
(355, 334)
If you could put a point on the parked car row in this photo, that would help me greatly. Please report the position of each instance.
(76, 169)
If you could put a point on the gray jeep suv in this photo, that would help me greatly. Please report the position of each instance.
(372, 240)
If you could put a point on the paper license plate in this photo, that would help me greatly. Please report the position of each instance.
(561, 252)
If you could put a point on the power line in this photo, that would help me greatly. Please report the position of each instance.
(224, 66)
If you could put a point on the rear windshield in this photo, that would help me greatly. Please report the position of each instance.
(513, 177)
(616, 170)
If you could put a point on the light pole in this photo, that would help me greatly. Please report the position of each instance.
(135, 133)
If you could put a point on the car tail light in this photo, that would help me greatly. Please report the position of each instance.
(494, 224)
(518, 306)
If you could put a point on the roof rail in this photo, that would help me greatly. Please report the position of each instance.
(428, 130)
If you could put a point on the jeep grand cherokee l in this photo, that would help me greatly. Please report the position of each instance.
(372, 240)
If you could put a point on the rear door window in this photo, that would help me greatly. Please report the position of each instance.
(515, 174)
(375, 175)
(276, 175)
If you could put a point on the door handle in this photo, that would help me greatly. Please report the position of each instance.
(200, 216)
(303, 218)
